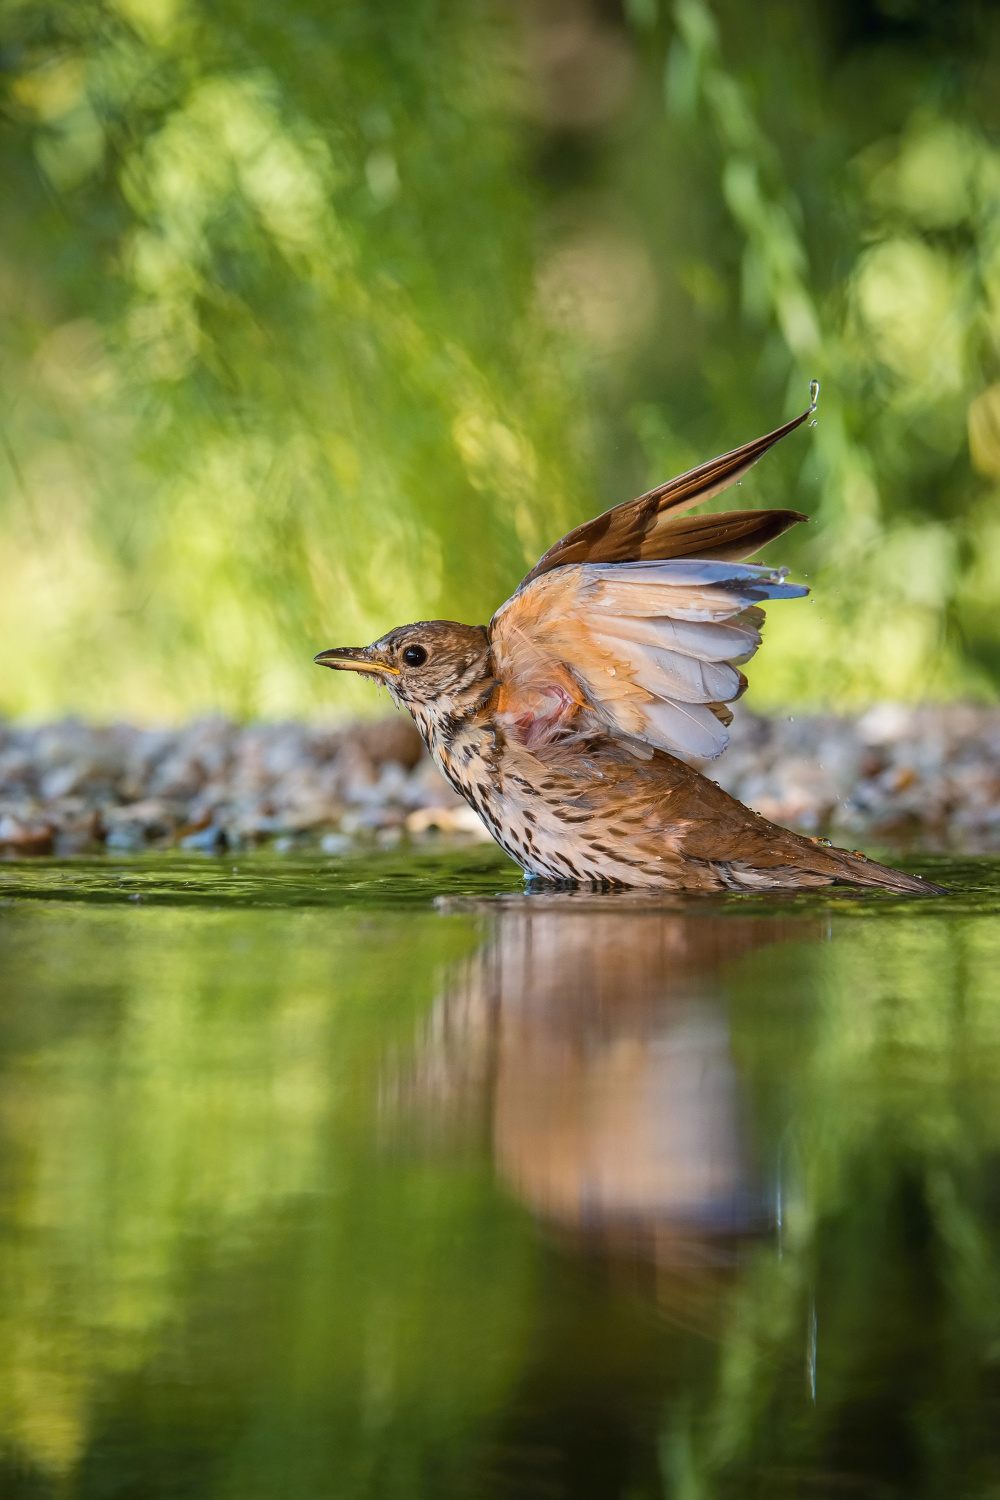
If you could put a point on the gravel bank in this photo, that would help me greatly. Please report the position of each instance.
(894, 773)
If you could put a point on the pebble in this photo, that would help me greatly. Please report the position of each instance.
(895, 773)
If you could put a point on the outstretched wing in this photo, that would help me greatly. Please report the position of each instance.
(651, 526)
(636, 624)
(648, 652)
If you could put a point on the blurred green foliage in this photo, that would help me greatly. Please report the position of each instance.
(319, 318)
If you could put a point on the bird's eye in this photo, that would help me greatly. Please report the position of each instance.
(414, 656)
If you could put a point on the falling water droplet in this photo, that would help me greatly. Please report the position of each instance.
(811, 1351)
(813, 394)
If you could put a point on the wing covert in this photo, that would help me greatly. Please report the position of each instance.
(648, 652)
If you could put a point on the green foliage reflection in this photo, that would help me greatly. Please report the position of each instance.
(198, 1195)
(324, 1202)
(864, 1352)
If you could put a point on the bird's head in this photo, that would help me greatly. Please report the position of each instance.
(435, 664)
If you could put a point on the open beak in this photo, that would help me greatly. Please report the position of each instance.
(356, 659)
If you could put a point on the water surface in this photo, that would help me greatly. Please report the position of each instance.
(379, 1177)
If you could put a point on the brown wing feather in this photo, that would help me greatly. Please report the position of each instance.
(729, 536)
(647, 527)
(684, 814)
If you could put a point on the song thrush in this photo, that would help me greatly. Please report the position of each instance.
(562, 721)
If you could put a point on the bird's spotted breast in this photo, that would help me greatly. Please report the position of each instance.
(539, 814)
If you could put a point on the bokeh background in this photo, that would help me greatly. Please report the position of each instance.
(321, 317)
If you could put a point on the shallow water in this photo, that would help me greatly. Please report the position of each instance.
(381, 1178)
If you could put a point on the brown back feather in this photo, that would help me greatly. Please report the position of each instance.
(649, 526)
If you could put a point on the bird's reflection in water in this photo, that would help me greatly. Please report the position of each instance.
(597, 1038)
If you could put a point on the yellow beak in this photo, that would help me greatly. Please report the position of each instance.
(355, 659)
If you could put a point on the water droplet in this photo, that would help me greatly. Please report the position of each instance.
(813, 394)
(610, 671)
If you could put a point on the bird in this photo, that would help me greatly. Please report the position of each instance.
(569, 721)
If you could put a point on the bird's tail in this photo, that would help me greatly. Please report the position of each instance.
(855, 868)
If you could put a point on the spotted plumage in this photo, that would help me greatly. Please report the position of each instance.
(564, 722)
